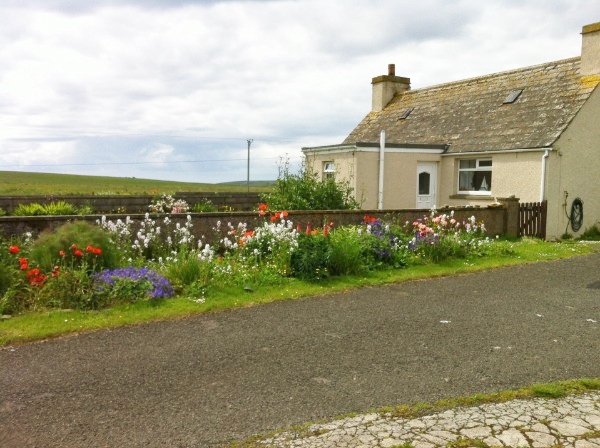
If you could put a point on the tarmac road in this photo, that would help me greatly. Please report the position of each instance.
(207, 380)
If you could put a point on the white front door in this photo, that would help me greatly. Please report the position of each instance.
(426, 184)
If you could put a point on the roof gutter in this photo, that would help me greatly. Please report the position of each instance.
(492, 152)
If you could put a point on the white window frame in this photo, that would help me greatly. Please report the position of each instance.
(329, 170)
(479, 167)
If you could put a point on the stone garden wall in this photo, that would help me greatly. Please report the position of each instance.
(499, 220)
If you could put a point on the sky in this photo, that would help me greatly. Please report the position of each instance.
(176, 89)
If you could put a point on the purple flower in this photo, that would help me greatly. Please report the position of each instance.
(160, 287)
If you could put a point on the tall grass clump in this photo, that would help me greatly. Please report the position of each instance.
(74, 244)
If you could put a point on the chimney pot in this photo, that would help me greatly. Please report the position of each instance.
(391, 69)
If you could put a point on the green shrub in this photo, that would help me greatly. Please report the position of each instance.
(591, 234)
(204, 207)
(6, 278)
(305, 191)
(310, 260)
(33, 209)
(70, 289)
(61, 248)
(59, 208)
(187, 270)
(347, 255)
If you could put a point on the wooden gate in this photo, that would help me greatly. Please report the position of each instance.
(532, 219)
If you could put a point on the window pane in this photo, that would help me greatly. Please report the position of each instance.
(424, 183)
(485, 163)
(465, 181)
(468, 164)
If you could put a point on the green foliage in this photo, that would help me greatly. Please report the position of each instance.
(71, 289)
(46, 250)
(348, 252)
(311, 260)
(204, 207)
(33, 209)
(591, 234)
(188, 271)
(305, 191)
(2, 212)
(6, 278)
(59, 208)
(123, 290)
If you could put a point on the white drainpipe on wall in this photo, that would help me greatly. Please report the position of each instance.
(543, 186)
(381, 166)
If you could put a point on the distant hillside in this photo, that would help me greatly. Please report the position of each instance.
(253, 183)
(16, 183)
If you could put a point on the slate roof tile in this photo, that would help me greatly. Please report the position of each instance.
(471, 116)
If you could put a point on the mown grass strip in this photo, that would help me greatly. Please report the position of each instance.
(43, 325)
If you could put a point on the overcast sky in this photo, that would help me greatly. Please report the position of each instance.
(173, 89)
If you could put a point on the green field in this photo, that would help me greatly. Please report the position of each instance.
(16, 183)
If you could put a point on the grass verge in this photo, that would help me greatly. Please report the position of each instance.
(42, 325)
(416, 410)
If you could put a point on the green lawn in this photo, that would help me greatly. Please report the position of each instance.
(15, 183)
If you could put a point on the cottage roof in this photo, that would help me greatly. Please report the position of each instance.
(477, 115)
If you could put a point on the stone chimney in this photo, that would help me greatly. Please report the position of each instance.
(386, 86)
(590, 50)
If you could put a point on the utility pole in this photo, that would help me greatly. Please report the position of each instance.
(248, 170)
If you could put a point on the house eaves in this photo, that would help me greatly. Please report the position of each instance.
(371, 147)
(472, 115)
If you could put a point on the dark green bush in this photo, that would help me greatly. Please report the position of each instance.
(305, 191)
(310, 260)
(70, 237)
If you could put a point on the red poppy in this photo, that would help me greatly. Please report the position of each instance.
(61, 253)
(262, 207)
(13, 249)
(73, 246)
(24, 264)
(89, 249)
(78, 253)
(274, 218)
(97, 251)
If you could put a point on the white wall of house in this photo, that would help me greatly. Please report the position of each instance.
(575, 168)
(513, 173)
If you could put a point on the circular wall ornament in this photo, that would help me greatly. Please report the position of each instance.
(576, 217)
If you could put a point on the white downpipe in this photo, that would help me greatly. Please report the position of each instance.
(381, 166)
(543, 185)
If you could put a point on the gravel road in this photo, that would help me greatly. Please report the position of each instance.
(207, 380)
